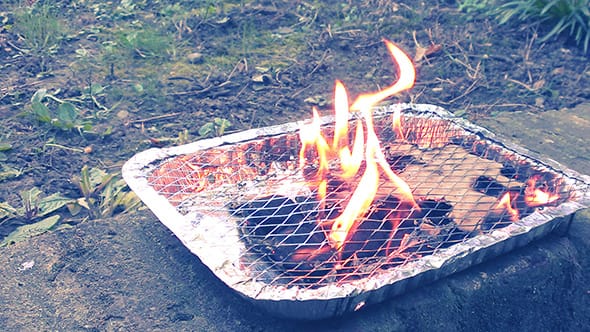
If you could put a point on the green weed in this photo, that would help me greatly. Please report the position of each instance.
(62, 114)
(41, 31)
(70, 113)
(103, 194)
(216, 127)
(571, 17)
(476, 5)
(146, 43)
(33, 205)
(562, 16)
(35, 211)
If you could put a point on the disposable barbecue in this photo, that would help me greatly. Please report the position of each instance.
(320, 217)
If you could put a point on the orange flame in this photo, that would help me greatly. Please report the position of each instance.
(506, 204)
(397, 124)
(350, 161)
(534, 196)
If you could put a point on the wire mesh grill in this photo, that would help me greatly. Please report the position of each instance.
(276, 230)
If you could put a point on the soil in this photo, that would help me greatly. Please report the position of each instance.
(158, 73)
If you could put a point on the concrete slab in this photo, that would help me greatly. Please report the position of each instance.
(563, 135)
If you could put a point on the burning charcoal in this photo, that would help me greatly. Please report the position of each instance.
(508, 171)
(389, 205)
(281, 230)
(511, 207)
(279, 149)
(454, 236)
(303, 247)
(314, 209)
(404, 242)
(335, 185)
(405, 227)
(307, 204)
(444, 236)
(435, 212)
(400, 215)
(479, 148)
(311, 260)
(545, 181)
(518, 171)
(488, 186)
(266, 214)
(369, 240)
(382, 230)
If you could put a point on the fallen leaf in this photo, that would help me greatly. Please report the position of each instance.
(26, 231)
(422, 52)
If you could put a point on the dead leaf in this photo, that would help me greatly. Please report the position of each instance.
(422, 52)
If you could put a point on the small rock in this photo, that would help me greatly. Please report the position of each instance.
(182, 317)
(195, 58)
(27, 265)
(262, 78)
(122, 114)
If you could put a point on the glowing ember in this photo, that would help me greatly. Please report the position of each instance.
(397, 124)
(506, 204)
(351, 159)
(534, 196)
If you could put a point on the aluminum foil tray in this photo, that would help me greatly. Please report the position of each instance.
(229, 198)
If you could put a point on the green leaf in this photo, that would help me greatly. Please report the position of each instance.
(138, 87)
(96, 89)
(51, 203)
(108, 131)
(99, 178)
(30, 196)
(460, 112)
(7, 211)
(41, 111)
(130, 201)
(26, 231)
(82, 202)
(84, 182)
(7, 172)
(222, 125)
(5, 146)
(67, 115)
(87, 127)
(207, 129)
(38, 96)
(30, 199)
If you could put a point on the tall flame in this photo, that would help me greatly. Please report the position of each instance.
(351, 160)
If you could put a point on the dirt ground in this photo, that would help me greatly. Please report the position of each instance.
(158, 73)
